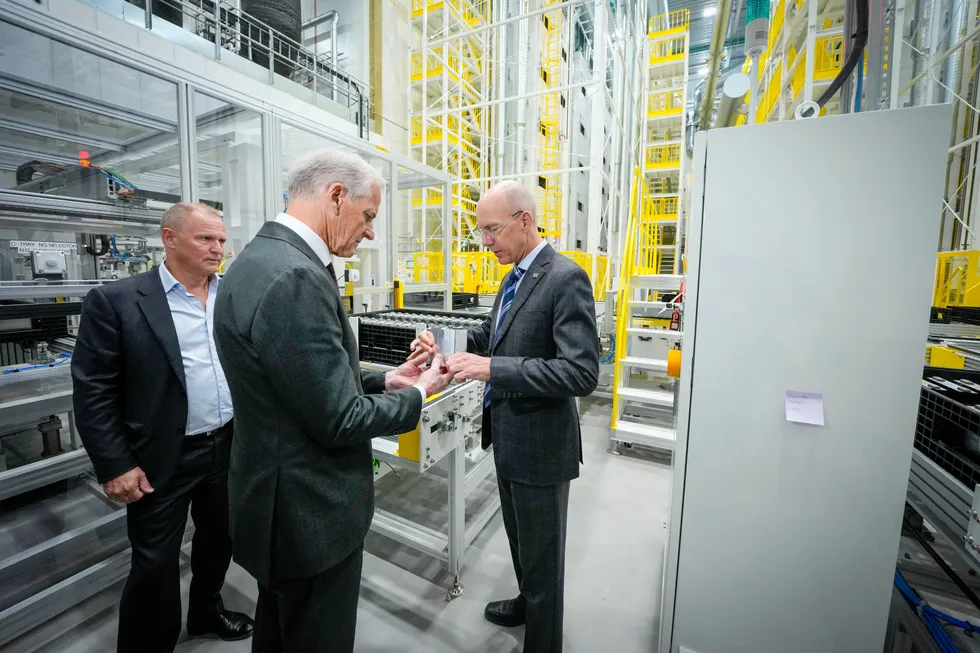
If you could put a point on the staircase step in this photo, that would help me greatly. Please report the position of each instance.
(654, 397)
(658, 281)
(658, 365)
(654, 333)
(645, 434)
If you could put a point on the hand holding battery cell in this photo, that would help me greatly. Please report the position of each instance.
(437, 378)
(424, 346)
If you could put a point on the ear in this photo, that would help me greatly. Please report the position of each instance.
(335, 192)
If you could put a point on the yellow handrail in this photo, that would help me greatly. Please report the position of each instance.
(622, 296)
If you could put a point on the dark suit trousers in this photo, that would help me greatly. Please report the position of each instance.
(150, 611)
(310, 615)
(535, 518)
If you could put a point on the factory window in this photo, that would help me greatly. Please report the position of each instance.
(562, 96)
(542, 128)
(583, 91)
(581, 128)
(544, 19)
(564, 55)
(95, 138)
(229, 166)
(542, 182)
(544, 75)
(579, 204)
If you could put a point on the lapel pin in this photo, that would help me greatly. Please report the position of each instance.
(534, 276)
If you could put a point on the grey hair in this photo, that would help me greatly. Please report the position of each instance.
(315, 172)
(177, 213)
(517, 196)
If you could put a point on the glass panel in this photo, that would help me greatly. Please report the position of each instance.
(418, 236)
(229, 167)
(58, 103)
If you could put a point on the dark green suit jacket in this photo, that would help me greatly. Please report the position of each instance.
(301, 485)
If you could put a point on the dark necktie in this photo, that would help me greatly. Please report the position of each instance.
(505, 303)
(333, 274)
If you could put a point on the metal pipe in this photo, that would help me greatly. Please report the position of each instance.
(500, 9)
(753, 90)
(722, 10)
(941, 58)
(523, 54)
(334, 17)
(953, 67)
(923, 30)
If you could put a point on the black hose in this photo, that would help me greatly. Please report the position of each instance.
(967, 592)
(104, 245)
(856, 53)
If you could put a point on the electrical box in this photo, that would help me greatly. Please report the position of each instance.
(797, 413)
(49, 264)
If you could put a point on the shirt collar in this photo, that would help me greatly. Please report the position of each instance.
(533, 254)
(309, 236)
(170, 282)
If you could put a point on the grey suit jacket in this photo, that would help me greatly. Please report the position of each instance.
(300, 485)
(546, 354)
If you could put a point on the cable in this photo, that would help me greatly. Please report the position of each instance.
(857, 96)
(963, 587)
(612, 350)
(854, 56)
(64, 360)
(928, 614)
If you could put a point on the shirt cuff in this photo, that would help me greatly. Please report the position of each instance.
(425, 397)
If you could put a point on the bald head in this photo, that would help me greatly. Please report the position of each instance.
(507, 218)
(512, 196)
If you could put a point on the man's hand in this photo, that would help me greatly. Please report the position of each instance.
(469, 366)
(407, 374)
(437, 378)
(129, 487)
(423, 347)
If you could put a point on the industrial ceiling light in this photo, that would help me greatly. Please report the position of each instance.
(710, 11)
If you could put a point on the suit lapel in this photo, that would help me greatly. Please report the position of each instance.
(530, 280)
(156, 310)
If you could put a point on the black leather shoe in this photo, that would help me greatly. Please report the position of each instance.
(507, 613)
(227, 625)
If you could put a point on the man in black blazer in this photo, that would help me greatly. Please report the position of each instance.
(301, 485)
(154, 412)
(537, 351)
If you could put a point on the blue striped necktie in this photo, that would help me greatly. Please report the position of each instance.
(505, 303)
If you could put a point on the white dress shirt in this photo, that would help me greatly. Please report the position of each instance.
(319, 248)
(208, 397)
(524, 265)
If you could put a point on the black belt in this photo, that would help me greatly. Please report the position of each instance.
(214, 432)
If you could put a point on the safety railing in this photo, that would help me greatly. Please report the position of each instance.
(663, 156)
(668, 51)
(829, 57)
(660, 207)
(235, 32)
(599, 277)
(429, 267)
(623, 294)
(776, 22)
(472, 11)
(669, 23)
(957, 279)
(665, 103)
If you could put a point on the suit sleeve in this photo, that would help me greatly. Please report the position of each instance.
(300, 343)
(97, 388)
(478, 339)
(574, 372)
(372, 381)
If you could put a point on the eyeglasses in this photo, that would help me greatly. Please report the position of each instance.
(490, 233)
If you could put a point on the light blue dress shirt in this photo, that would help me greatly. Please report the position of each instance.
(208, 397)
(524, 265)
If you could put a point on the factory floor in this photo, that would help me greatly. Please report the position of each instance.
(614, 560)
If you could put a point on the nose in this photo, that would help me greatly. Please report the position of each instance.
(487, 239)
(369, 232)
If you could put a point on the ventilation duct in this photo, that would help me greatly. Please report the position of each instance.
(285, 17)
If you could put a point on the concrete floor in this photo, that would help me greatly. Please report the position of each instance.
(616, 534)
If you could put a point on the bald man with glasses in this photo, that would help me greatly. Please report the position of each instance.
(537, 351)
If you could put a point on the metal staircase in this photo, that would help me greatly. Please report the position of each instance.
(646, 331)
